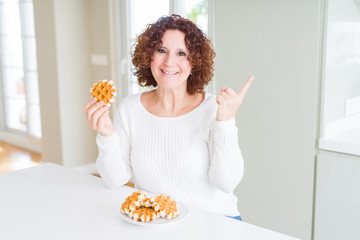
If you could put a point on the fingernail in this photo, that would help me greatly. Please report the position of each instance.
(93, 99)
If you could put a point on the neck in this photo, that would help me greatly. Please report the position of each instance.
(172, 101)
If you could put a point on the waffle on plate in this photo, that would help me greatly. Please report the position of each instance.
(141, 208)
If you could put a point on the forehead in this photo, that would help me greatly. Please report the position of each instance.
(174, 38)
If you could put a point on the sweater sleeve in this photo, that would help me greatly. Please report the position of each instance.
(113, 162)
(226, 167)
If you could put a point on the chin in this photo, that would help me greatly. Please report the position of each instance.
(169, 86)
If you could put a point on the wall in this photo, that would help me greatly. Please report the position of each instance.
(48, 80)
(68, 32)
(73, 50)
(278, 42)
(100, 38)
(337, 207)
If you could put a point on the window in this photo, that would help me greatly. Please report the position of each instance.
(18, 68)
(142, 12)
(341, 92)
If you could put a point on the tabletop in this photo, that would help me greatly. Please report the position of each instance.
(49, 201)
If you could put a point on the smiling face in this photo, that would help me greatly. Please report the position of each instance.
(170, 66)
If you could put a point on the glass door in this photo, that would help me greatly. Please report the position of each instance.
(18, 68)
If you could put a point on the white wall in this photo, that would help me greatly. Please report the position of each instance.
(278, 42)
(100, 38)
(337, 197)
(73, 50)
(48, 81)
(68, 32)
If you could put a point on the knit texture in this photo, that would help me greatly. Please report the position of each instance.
(193, 158)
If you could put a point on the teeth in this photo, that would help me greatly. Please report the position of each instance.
(170, 73)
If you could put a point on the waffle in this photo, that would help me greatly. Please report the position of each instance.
(165, 206)
(144, 214)
(140, 208)
(146, 203)
(104, 91)
(132, 202)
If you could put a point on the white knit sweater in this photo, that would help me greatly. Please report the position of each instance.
(193, 158)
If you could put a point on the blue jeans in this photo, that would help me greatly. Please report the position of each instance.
(236, 217)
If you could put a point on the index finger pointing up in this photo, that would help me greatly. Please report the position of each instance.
(246, 86)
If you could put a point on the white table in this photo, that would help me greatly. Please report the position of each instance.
(53, 202)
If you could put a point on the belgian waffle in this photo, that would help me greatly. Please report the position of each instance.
(165, 206)
(132, 202)
(146, 203)
(144, 214)
(140, 208)
(104, 91)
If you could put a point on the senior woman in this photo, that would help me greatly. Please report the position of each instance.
(176, 139)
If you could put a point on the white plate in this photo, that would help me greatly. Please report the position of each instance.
(184, 211)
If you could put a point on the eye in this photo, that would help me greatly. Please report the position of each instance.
(161, 50)
(182, 54)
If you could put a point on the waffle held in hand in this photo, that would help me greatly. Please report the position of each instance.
(104, 91)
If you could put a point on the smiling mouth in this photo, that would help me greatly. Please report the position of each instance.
(169, 73)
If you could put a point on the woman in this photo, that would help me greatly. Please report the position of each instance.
(176, 140)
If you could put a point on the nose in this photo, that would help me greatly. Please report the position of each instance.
(170, 60)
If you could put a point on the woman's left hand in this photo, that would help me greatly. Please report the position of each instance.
(229, 101)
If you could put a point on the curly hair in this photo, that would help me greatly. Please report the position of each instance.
(201, 53)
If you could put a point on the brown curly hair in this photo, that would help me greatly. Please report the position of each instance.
(201, 53)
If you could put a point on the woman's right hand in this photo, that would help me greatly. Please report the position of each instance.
(97, 115)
